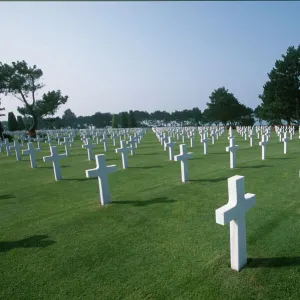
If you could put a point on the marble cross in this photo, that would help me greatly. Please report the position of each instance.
(67, 145)
(89, 146)
(17, 147)
(31, 151)
(205, 141)
(232, 149)
(234, 212)
(171, 145)
(55, 158)
(263, 144)
(102, 171)
(123, 150)
(183, 157)
(285, 143)
(39, 140)
(104, 140)
(131, 142)
(7, 147)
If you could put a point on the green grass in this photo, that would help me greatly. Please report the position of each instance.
(158, 239)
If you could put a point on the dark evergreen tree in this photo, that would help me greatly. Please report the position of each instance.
(21, 124)
(12, 122)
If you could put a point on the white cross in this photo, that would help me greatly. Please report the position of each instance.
(17, 147)
(232, 149)
(183, 157)
(205, 141)
(38, 140)
(263, 144)
(123, 150)
(105, 140)
(251, 135)
(285, 143)
(67, 145)
(89, 146)
(102, 171)
(235, 212)
(131, 143)
(58, 138)
(171, 145)
(192, 141)
(55, 158)
(213, 135)
(113, 136)
(31, 152)
(49, 141)
(6, 145)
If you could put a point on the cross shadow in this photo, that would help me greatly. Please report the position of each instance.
(79, 179)
(255, 167)
(273, 262)
(51, 167)
(35, 241)
(7, 196)
(162, 200)
(209, 180)
(152, 153)
(279, 158)
(149, 167)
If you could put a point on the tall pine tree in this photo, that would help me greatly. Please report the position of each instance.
(12, 122)
(131, 120)
(21, 124)
(114, 123)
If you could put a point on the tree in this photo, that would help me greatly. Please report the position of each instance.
(281, 93)
(12, 122)
(124, 119)
(1, 109)
(131, 120)
(21, 124)
(258, 114)
(69, 118)
(23, 82)
(114, 123)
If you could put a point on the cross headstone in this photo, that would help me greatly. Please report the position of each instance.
(104, 140)
(232, 149)
(31, 151)
(102, 171)
(235, 212)
(123, 150)
(205, 141)
(171, 145)
(55, 158)
(67, 145)
(7, 146)
(251, 136)
(17, 147)
(131, 142)
(183, 157)
(39, 140)
(263, 144)
(89, 146)
(285, 143)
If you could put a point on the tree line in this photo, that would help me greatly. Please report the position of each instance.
(280, 101)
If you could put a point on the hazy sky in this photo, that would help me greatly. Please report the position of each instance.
(114, 56)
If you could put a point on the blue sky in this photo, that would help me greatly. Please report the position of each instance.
(115, 56)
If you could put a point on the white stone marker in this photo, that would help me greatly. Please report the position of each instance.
(104, 141)
(285, 143)
(7, 147)
(89, 146)
(31, 152)
(17, 147)
(251, 136)
(213, 135)
(263, 144)
(183, 157)
(39, 140)
(55, 158)
(232, 149)
(235, 212)
(123, 150)
(205, 141)
(192, 141)
(102, 171)
(131, 142)
(67, 145)
(171, 145)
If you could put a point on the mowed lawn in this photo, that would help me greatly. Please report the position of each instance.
(158, 239)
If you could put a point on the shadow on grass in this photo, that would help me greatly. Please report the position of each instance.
(209, 180)
(149, 167)
(280, 158)
(162, 200)
(35, 241)
(152, 153)
(79, 179)
(7, 196)
(255, 167)
(51, 167)
(273, 262)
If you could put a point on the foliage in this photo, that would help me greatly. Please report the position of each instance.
(124, 119)
(12, 122)
(21, 124)
(131, 120)
(23, 82)
(114, 123)
(69, 118)
(281, 93)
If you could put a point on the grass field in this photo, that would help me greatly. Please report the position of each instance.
(158, 239)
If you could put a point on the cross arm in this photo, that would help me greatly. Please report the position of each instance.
(225, 214)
